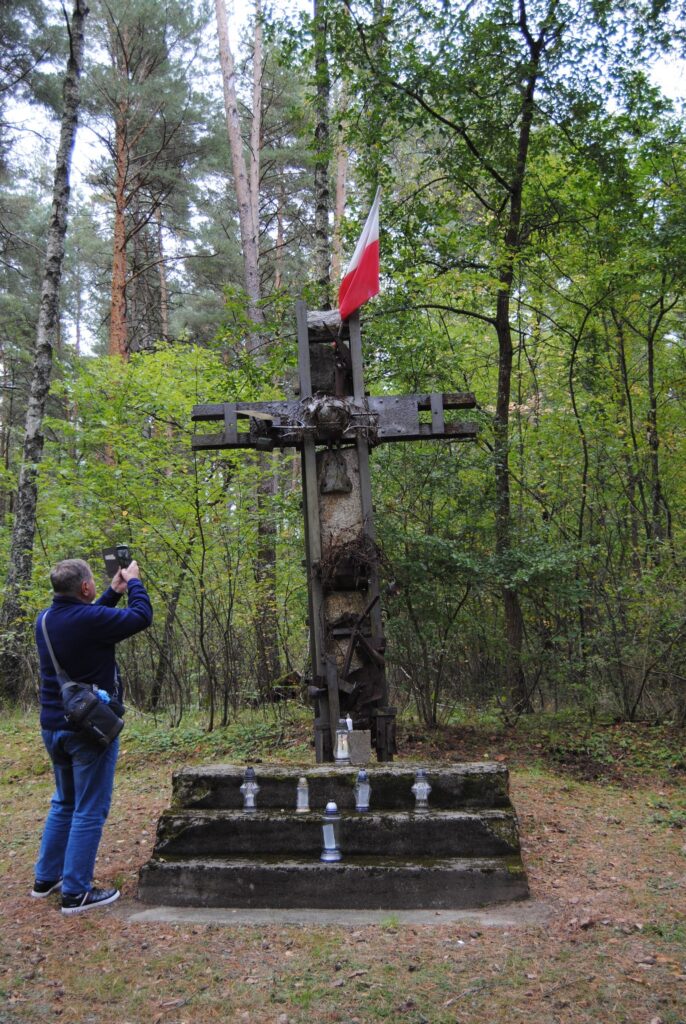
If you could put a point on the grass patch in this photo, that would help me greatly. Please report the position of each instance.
(668, 811)
(248, 738)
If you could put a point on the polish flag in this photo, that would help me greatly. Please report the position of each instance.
(361, 279)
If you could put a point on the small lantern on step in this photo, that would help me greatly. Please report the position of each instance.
(302, 796)
(421, 790)
(363, 791)
(341, 754)
(331, 834)
(249, 789)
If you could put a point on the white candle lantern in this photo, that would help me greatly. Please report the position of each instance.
(249, 789)
(302, 796)
(421, 790)
(341, 754)
(363, 791)
(331, 834)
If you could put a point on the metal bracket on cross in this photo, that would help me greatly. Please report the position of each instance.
(328, 419)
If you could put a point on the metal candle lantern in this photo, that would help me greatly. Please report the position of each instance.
(363, 791)
(421, 790)
(249, 789)
(341, 752)
(302, 796)
(331, 834)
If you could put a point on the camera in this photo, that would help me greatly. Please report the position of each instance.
(118, 557)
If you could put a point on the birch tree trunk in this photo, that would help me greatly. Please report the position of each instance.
(24, 527)
(248, 214)
(256, 128)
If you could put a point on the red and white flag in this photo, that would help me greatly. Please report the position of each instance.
(361, 279)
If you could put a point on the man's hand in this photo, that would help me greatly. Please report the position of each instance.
(132, 572)
(118, 583)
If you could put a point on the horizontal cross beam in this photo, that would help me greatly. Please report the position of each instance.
(332, 420)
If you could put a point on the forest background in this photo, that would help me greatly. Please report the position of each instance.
(533, 252)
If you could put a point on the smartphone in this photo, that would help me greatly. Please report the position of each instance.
(118, 557)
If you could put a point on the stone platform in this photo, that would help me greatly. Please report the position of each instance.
(463, 853)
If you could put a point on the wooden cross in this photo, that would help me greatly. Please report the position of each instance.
(333, 424)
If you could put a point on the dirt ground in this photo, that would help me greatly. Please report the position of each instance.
(607, 857)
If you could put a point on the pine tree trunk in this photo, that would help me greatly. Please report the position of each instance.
(341, 189)
(24, 527)
(162, 270)
(118, 344)
(278, 256)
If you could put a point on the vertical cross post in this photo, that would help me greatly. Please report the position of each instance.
(337, 492)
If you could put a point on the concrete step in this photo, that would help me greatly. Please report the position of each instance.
(465, 785)
(202, 833)
(354, 883)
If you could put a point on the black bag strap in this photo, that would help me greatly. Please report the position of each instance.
(58, 668)
(62, 677)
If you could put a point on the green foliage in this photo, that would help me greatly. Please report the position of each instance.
(120, 469)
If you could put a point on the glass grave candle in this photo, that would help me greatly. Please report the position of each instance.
(341, 754)
(421, 790)
(249, 789)
(331, 834)
(363, 791)
(302, 796)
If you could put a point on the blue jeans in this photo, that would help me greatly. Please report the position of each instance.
(84, 778)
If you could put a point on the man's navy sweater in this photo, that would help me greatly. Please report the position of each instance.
(83, 638)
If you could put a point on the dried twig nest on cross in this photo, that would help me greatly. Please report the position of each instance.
(346, 563)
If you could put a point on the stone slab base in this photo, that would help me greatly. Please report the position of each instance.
(464, 785)
(211, 833)
(353, 884)
(461, 853)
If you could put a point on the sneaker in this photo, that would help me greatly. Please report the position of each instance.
(42, 889)
(88, 900)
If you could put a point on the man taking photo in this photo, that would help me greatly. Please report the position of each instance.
(83, 634)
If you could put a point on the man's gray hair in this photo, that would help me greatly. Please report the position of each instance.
(67, 576)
